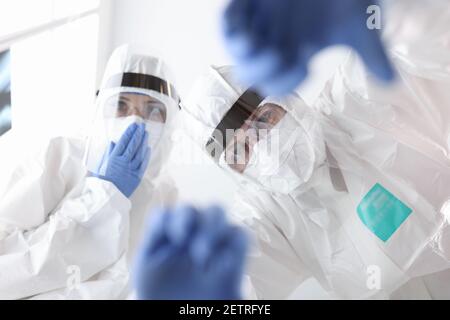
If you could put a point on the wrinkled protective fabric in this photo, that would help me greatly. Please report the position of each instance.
(404, 130)
(38, 250)
(362, 135)
(68, 220)
(55, 221)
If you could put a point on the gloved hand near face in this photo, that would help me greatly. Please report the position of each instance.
(189, 254)
(124, 163)
(272, 41)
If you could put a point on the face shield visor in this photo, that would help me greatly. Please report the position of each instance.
(130, 98)
(262, 142)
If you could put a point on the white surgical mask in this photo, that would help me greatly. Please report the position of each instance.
(117, 126)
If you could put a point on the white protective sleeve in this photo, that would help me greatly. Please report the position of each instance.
(89, 231)
(30, 192)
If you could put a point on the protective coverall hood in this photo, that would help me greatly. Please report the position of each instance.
(280, 161)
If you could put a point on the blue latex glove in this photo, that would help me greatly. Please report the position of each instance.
(190, 255)
(273, 40)
(124, 164)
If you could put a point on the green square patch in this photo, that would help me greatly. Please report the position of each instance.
(382, 212)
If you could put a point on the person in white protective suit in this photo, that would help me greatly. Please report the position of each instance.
(415, 114)
(352, 191)
(68, 229)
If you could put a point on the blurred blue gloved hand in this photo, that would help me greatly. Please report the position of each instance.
(272, 41)
(124, 164)
(192, 255)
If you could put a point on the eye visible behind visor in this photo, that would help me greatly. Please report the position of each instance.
(241, 128)
(126, 104)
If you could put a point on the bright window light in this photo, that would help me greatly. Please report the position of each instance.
(53, 73)
(53, 80)
(20, 15)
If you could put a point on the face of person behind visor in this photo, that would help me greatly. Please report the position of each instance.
(270, 149)
(136, 89)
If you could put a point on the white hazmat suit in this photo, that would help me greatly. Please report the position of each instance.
(67, 235)
(362, 201)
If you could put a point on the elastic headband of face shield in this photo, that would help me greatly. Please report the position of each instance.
(142, 81)
(233, 120)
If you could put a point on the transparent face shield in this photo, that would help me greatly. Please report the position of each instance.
(126, 104)
(262, 142)
(120, 107)
(256, 133)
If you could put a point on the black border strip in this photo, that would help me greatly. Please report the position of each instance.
(143, 81)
